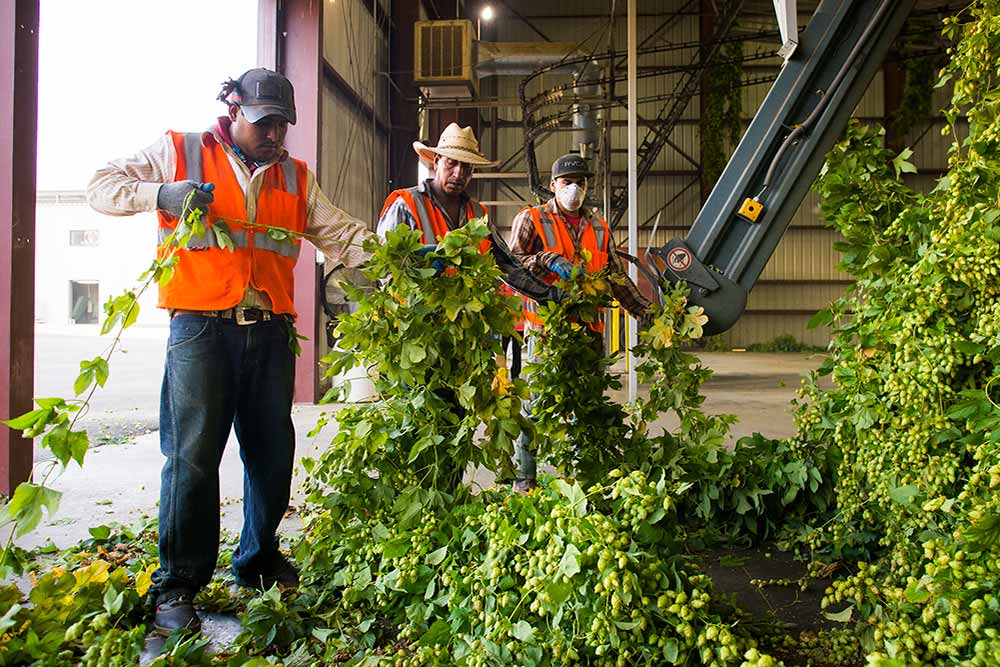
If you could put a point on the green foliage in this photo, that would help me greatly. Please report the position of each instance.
(909, 417)
(431, 343)
(784, 343)
(722, 110)
(731, 493)
(580, 429)
(586, 570)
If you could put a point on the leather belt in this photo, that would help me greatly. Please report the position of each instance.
(239, 314)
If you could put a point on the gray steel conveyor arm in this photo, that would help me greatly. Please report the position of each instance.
(780, 154)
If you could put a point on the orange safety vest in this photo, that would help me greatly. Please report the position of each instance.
(210, 277)
(433, 224)
(555, 236)
(507, 290)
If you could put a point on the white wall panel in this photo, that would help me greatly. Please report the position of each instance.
(353, 172)
(354, 45)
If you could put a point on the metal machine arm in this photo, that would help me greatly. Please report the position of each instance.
(780, 154)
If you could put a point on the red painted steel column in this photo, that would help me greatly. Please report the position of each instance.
(18, 142)
(300, 58)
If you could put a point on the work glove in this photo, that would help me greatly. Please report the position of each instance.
(555, 295)
(170, 198)
(437, 263)
(561, 267)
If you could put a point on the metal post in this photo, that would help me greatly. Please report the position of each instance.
(18, 143)
(633, 191)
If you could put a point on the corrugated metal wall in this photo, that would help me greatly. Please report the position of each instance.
(353, 170)
(354, 165)
(802, 276)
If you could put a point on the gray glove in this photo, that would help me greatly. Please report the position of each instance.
(171, 196)
(555, 295)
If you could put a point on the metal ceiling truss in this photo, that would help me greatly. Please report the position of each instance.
(562, 101)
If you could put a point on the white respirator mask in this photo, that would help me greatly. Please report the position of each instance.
(571, 196)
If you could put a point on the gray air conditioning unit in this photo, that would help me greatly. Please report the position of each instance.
(443, 60)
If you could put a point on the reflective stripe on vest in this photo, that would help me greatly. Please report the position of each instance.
(291, 182)
(547, 222)
(288, 248)
(548, 231)
(207, 241)
(433, 225)
(192, 156)
(599, 235)
(423, 215)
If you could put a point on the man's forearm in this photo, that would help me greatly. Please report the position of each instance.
(628, 295)
(130, 185)
(338, 235)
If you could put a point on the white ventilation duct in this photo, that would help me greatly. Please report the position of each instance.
(524, 58)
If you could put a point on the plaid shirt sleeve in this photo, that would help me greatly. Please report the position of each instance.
(628, 295)
(527, 246)
(517, 277)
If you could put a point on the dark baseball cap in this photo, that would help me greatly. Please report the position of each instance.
(262, 92)
(571, 165)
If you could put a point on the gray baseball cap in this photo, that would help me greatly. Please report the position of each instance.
(571, 164)
(262, 92)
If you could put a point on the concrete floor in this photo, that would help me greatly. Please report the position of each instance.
(120, 480)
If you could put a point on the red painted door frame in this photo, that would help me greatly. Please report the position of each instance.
(290, 40)
(18, 144)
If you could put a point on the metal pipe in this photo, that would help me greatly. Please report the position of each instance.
(633, 190)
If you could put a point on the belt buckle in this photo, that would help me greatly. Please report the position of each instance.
(240, 315)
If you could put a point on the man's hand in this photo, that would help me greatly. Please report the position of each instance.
(426, 249)
(561, 267)
(438, 262)
(171, 197)
(555, 295)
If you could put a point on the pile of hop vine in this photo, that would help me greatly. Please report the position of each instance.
(915, 355)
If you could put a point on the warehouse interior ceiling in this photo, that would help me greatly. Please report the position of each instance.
(696, 59)
(678, 46)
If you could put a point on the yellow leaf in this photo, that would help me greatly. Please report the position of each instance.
(661, 335)
(144, 580)
(95, 573)
(501, 383)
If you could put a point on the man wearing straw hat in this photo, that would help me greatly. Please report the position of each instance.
(441, 204)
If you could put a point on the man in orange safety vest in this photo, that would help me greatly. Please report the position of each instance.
(550, 239)
(229, 362)
(441, 204)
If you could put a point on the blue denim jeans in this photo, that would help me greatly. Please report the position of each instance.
(221, 375)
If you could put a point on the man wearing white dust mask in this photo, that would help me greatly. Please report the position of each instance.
(556, 239)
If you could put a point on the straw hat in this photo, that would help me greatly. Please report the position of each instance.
(458, 143)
